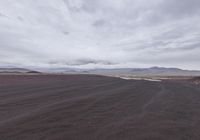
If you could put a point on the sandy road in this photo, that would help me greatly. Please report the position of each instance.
(83, 107)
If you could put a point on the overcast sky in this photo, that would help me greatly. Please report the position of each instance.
(100, 33)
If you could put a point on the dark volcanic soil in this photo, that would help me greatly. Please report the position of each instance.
(81, 107)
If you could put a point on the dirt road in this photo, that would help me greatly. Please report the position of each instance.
(83, 107)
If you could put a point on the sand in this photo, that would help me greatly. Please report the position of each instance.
(86, 107)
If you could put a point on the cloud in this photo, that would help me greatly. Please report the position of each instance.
(100, 33)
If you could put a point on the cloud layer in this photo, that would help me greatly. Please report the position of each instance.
(100, 33)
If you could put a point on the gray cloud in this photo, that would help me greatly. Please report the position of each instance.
(100, 33)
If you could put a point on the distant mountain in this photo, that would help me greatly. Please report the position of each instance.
(61, 70)
(16, 70)
(33, 72)
(153, 71)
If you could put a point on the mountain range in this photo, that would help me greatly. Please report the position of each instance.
(153, 71)
(17, 70)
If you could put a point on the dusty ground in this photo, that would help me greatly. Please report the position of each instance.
(82, 107)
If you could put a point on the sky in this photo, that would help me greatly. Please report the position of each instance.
(100, 33)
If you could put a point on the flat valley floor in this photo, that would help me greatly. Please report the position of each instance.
(89, 107)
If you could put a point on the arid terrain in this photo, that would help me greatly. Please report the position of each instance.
(91, 107)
